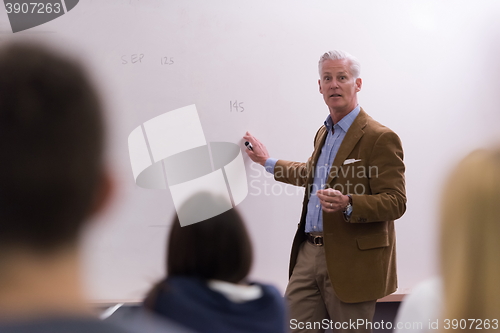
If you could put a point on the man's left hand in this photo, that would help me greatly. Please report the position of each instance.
(332, 200)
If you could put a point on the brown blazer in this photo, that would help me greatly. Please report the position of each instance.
(360, 253)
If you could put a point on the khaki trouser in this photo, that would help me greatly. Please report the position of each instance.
(313, 302)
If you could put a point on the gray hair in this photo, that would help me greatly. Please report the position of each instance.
(340, 55)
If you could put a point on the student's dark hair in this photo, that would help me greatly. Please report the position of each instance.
(218, 248)
(51, 142)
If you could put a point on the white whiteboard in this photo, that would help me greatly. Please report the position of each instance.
(430, 69)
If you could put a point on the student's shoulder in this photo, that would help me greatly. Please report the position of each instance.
(61, 325)
(140, 320)
(271, 293)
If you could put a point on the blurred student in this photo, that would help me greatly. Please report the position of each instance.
(206, 287)
(52, 179)
(470, 264)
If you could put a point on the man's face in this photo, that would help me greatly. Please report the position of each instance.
(338, 86)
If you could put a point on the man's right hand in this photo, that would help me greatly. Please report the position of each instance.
(259, 153)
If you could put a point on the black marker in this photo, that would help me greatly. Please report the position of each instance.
(249, 145)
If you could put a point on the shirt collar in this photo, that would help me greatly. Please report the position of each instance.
(345, 122)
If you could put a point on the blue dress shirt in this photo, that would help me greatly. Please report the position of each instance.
(314, 217)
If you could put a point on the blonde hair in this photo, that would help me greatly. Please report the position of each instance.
(470, 238)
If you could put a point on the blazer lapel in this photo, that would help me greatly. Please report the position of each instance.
(351, 138)
(320, 141)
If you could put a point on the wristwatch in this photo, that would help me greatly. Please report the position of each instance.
(348, 208)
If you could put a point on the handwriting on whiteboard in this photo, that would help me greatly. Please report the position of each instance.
(234, 106)
(140, 58)
(136, 58)
(167, 61)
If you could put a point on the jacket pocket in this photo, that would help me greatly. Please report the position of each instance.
(373, 242)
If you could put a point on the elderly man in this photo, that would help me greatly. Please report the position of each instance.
(343, 255)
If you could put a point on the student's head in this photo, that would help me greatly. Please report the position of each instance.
(218, 248)
(470, 237)
(51, 147)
